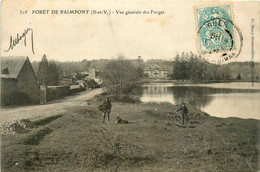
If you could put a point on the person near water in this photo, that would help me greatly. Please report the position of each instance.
(184, 112)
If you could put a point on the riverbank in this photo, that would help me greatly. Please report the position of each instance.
(77, 140)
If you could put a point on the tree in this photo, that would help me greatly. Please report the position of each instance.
(43, 71)
(140, 68)
(120, 76)
(181, 66)
(239, 76)
(42, 75)
(48, 72)
(53, 75)
(193, 67)
(176, 67)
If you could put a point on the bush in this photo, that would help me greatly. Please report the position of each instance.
(120, 76)
(120, 98)
(109, 152)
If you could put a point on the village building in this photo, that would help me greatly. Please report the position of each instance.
(88, 79)
(18, 82)
(95, 75)
(155, 72)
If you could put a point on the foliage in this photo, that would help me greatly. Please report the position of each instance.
(82, 66)
(53, 74)
(193, 67)
(239, 76)
(140, 67)
(48, 72)
(110, 152)
(120, 98)
(43, 71)
(186, 66)
(120, 76)
(245, 69)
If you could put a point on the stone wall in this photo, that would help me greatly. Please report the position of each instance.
(57, 92)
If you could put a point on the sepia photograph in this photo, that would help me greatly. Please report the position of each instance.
(129, 86)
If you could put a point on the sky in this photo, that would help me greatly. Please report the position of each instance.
(74, 37)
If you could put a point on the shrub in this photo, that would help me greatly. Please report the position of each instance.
(120, 98)
(110, 151)
(120, 76)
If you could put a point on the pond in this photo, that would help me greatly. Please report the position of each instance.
(236, 99)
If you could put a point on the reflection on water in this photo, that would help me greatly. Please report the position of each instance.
(222, 100)
(157, 93)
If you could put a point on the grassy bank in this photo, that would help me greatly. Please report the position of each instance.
(77, 140)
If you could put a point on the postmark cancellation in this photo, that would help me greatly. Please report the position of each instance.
(216, 33)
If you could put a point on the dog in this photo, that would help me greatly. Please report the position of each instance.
(121, 121)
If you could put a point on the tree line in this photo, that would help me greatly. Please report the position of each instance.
(190, 66)
(121, 74)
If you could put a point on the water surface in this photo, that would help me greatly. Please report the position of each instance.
(218, 99)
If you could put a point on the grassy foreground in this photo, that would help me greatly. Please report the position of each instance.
(77, 140)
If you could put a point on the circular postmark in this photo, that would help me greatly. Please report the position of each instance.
(217, 40)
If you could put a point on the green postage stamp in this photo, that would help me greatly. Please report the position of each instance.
(216, 33)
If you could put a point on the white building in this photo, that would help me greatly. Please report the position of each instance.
(155, 72)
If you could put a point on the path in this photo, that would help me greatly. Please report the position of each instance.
(35, 112)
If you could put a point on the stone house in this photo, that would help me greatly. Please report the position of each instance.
(19, 84)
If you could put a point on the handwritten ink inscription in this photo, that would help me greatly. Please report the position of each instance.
(16, 39)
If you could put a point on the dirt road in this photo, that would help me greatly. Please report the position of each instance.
(36, 112)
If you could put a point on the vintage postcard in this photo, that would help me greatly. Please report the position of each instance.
(130, 85)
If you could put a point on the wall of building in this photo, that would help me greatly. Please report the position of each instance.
(8, 91)
(27, 83)
(156, 73)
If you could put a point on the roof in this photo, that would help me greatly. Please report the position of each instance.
(11, 66)
(155, 68)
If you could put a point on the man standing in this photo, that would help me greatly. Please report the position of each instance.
(184, 112)
(106, 109)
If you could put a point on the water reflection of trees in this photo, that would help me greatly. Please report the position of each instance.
(156, 90)
(196, 95)
(199, 96)
(157, 93)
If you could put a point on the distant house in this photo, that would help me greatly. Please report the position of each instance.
(95, 75)
(18, 81)
(155, 72)
(90, 79)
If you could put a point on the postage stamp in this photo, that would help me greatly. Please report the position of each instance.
(216, 32)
